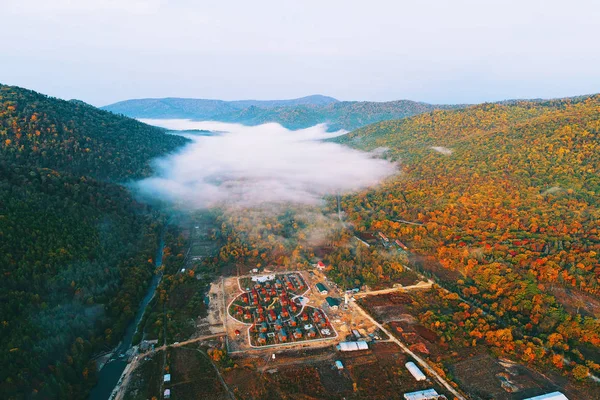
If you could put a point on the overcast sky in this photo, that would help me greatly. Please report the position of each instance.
(458, 51)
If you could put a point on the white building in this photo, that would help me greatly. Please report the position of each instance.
(415, 371)
(353, 346)
(549, 396)
(339, 364)
(167, 378)
(429, 394)
(320, 265)
(321, 288)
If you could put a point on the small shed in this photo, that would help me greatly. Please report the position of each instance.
(339, 364)
(167, 378)
(167, 394)
(415, 371)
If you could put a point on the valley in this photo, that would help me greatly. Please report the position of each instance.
(300, 200)
(434, 248)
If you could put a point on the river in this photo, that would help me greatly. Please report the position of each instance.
(109, 375)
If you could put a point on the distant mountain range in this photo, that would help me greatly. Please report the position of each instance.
(293, 114)
(174, 107)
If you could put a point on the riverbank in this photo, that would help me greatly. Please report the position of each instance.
(112, 371)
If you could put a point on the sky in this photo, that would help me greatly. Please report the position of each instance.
(283, 167)
(438, 51)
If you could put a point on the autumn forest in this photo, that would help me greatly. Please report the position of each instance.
(498, 204)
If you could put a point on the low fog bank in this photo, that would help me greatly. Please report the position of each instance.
(249, 166)
(444, 150)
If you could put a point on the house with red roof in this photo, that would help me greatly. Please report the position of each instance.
(320, 265)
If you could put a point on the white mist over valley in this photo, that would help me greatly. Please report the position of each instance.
(252, 165)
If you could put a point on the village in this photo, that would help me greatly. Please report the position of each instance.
(277, 312)
(274, 315)
(283, 331)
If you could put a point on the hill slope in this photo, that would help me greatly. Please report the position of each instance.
(293, 114)
(508, 198)
(75, 249)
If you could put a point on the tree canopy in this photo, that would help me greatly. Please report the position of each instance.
(76, 250)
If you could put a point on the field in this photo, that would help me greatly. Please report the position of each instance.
(476, 369)
(146, 379)
(193, 375)
(484, 376)
(378, 373)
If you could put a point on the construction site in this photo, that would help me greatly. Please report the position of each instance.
(288, 310)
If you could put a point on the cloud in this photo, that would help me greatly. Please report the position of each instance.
(444, 150)
(57, 7)
(251, 166)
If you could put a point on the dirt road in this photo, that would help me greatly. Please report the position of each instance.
(119, 391)
(420, 285)
(421, 362)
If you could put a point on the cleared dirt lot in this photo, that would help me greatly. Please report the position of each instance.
(377, 373)
(193, 376)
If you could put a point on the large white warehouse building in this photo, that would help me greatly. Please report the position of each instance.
(415, 371)
(549, 396)
(353, 346)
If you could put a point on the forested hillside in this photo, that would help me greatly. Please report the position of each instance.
(506, 198)
(75, 248)
(346, 115)
(292, 114)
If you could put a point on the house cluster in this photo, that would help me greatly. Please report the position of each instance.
(263, 310)
(275, 311)
(387, 242)
(291, 328)
(266, 293)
